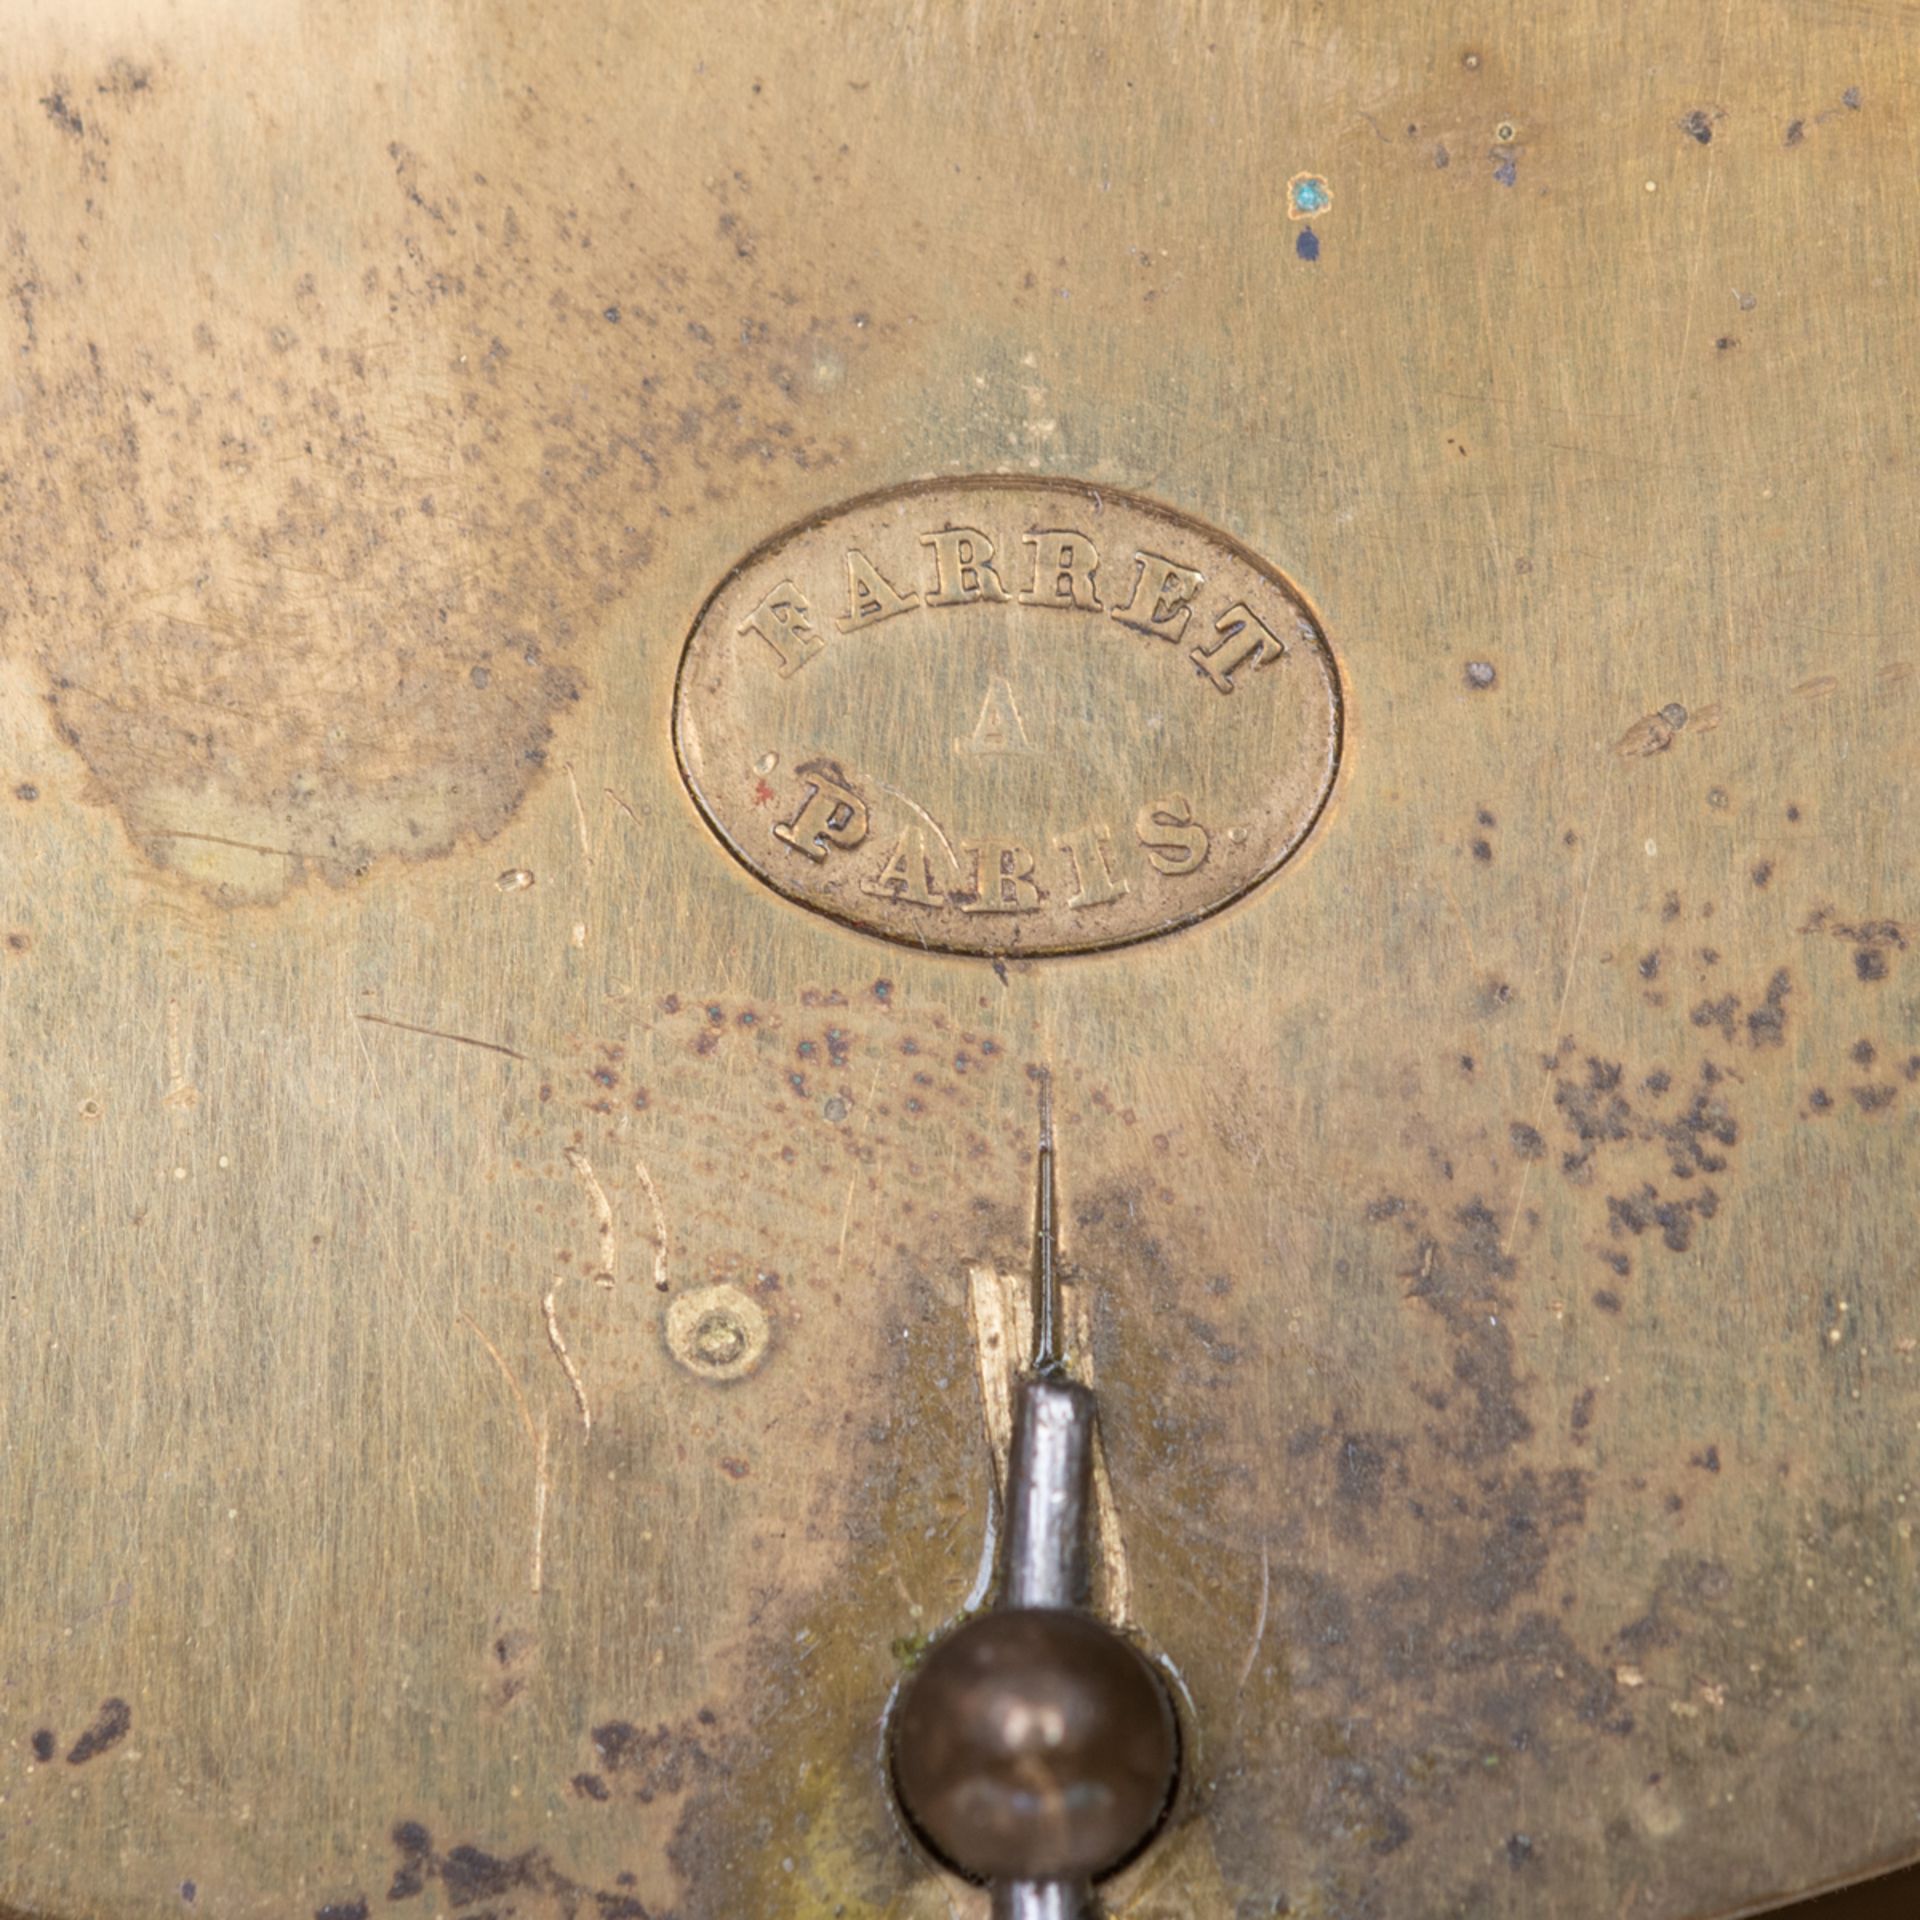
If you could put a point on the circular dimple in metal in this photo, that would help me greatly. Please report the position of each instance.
(717, 1332)
(1035, 1744)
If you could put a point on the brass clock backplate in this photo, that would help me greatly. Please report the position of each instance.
(496, 1295)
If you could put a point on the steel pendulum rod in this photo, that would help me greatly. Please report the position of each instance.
(1040, 1900)
(1049, 1480)
(1036, 1747)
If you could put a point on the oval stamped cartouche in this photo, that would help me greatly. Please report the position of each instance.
(1008, 715)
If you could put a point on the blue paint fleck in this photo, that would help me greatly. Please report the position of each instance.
(1307, 244)
(1506, 169)
(1310, 195)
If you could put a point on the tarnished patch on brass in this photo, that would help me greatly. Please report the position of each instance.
(1008, 715)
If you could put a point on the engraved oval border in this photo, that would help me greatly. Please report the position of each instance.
(1009, 483)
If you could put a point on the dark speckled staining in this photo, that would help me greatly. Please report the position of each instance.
(1306, 244)
(398, 580)
(110, 1726)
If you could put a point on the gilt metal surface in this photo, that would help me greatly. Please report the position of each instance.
(499, 1302)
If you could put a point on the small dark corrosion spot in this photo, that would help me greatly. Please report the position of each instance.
(611, 315)
(18, 942)
(1481, 674)
(1307, 244)
(109, 1728)
(1441, 157)
(1851, 99)
(1767, 1024)
(1617, 1261)
(1582, 1416)
(1762, 873)
(1870, 963)
(43, 1744)
(734, 1469)
(1717, 1013)
(1726, 343)
(1527, 1141)
(1485, 818)
(480, 677)
(416, 1847)
(1483, 850)
(1466, 1063)
(1519, 1850)
(1506, 167)
(1820, 1100)
(354, 1909)
(1796, 132)
(1716, 796)
(189, 1892)
(62, 115)
(1606, 1300)
(1650, 965)
(883, 991)
(1674, 1503)
(1674, 714)
(1709, 956)
(1862, 1052)
(470, 1874)
(1495, 994)
(590, 1786)
(1793, 813)
(836, 1109)
(1670, 907)
(1658, 1081)
(1709, 1461)
(1873, 1099)
(1698, 125)
(26, 790)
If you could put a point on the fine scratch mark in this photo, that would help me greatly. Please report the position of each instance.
(994, 1303)
(609, 1251)
(621, 804)
(506, 1372)
(1259, 1621)
(439, 1033)
(537, 1435)
(1566, 994)
(1109, 1542)
(659, 1227)
(558, 1343)
(222, 840)
(580, 817)
(846, 1213)
(1699, 236)
(181, 1093)
(907, 800)
(536, 1571)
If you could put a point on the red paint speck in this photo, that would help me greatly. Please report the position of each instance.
(762, 794)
